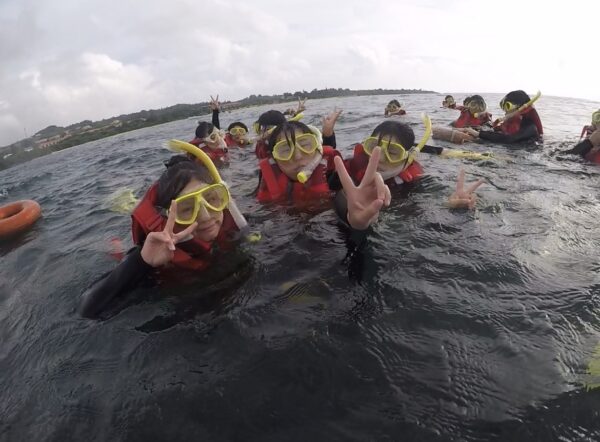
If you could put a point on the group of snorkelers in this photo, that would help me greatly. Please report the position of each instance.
(189, 216)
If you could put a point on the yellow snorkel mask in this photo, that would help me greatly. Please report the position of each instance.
(215, 196)
(596, 119)
(396, 153)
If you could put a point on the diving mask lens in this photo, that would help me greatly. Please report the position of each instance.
(507, 106)
(596, 118)
(214, 197)
(394, 152)
(284, 150)
(237, 131)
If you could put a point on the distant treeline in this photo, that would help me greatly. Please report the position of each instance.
(43, 143)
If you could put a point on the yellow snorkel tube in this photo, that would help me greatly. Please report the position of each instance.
(417, 149)
(183, 147)
(305, 174)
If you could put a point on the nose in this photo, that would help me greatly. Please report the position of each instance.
(297, 153)
(203, 214)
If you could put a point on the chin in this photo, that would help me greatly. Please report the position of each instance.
(208, 234)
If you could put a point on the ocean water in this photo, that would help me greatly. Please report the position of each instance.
(451, 325)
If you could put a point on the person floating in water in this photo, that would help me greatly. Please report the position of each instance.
(237, 132)
(398, 163)
(473, 114)
(394, 107)
(520, 123)
(588, 148)
(299, 163)
(449, 102)
(209, 138)
(188, 218)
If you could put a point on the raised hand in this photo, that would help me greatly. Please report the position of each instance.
(464, 199)
(214, 103)
(329, 121)
(365, 200)
(159, 247)
(301, 107)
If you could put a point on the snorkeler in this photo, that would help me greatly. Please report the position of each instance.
(394, 107)
(188, 218)
(588, 148)
(237, 132)
(208, 136)
(300, 162)
(473, 113)
(398, 163)
(520, 123)
(449, 102)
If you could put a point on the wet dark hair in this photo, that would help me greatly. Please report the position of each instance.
(289, 130)
(478, 99)
(466, 100)
(237, 124)
(396, 102)
(204, 129)
(391, 128)
(271, 118)
(180, 170)
(516, 97)
(449, 96)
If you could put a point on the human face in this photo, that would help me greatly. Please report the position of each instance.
(299, 159)
(390, 149)
(209, 221)
(215, 140)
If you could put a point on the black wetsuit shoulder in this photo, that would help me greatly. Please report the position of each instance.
(582, 148)
(130, 271)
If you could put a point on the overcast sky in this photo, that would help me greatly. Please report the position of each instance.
(65, 61)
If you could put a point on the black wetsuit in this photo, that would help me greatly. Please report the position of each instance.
(528, 131)
(582, 148)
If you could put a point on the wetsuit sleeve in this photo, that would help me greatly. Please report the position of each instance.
(123, 278)
(215, 119)
(526, 133)
(582, 148)
(329, 140)
(340, 204)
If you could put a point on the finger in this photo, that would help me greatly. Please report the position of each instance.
(460, 182)
(388, 196)
(171, 219)
(185, 233)
(372, 166)
(380, 186)
(372, 211)
(217, 98)
(162, 237)
(345, 179)
(211, 98)
(474, 186)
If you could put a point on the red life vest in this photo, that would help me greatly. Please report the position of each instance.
(215, 155)
(193, 254)
(513, 125)
(357, 166)
(593, 156)
(261, 150)
(276, 185)
(467, 119)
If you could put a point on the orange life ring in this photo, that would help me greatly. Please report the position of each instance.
(17, 217)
